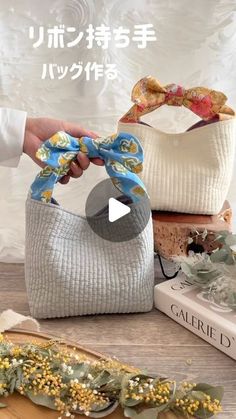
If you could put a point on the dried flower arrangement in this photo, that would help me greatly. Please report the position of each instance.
(214, 273)
(53, 376)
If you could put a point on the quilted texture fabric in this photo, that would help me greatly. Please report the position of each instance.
(70, 271)
(187, 172)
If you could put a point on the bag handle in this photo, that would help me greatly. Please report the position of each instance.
(148, 94)
(122, 154)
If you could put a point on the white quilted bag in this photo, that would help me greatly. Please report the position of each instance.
(70, 271)
(188, 172)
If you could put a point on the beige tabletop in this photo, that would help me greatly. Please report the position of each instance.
(151, 340)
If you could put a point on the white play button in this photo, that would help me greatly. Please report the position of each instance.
(112, 216)
(117, 210)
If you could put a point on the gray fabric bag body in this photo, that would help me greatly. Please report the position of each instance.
(70, 270)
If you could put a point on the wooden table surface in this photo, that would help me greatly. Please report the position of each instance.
(151, 340)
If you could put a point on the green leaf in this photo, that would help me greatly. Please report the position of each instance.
(215, 392)
(104, 412)
(230, 259)
(203, 414)
(103, 378)
(124, 384)
(186, 269)
(131, 402)
(104, 407)
(19, 376)
(219, 239)
(79, 370)
(12, 385)
(162, 408)
(145, 414)
(198, 395)
(231, 240)
(180, 394)
(222, 236)
(114, 384)
(219, 256)
(129, 413)
(208, 275)
(42, 400)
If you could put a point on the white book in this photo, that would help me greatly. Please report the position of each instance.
(189, 306)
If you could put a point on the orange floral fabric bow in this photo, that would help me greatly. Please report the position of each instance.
(148, 95)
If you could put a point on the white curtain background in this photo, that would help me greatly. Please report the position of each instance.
(195, 46)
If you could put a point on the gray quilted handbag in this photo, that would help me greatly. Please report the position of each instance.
(70, 271)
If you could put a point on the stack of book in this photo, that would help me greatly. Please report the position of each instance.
(186, 303)
(189, 306)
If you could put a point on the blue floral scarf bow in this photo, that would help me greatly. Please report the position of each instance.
(122, 154)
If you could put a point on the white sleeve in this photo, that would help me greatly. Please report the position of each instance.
(12, 131)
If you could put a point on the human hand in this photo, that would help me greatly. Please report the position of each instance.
(38, 130)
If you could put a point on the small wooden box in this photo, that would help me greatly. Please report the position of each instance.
(172, 231)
